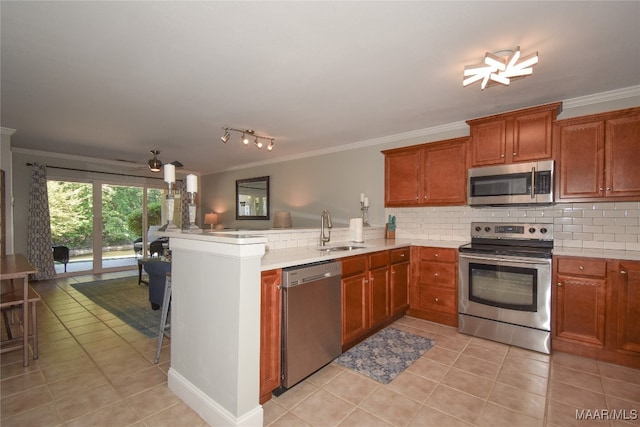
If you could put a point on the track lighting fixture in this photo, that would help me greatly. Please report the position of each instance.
(246, 135)
(155, 164)
(224, 138)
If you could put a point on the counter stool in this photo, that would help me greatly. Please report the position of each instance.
(165, 327)
(11, 299)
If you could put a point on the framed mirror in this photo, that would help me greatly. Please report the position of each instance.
(252, 198)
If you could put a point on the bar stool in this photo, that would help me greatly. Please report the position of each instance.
(10, 299)
(165, 327)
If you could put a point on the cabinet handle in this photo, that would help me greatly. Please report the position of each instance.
(502, 155)
(393, 272)
(608, 188)
(436, 299)
(623, 272)
(401, 255)
(515, 154)
(601, 189)
(581, 267)
(278, 287)
(559, 284)
(436, 255)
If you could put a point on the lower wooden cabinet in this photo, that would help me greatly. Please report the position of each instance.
(596, 308)
(433, 290)
(374, 293)
(579, 292)
(625, 276)
(399, 281)
(270, 332)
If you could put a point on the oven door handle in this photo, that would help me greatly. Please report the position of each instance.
(522, 260)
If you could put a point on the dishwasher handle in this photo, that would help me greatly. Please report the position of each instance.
(307, 274)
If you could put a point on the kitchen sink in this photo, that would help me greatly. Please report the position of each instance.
(340, 248)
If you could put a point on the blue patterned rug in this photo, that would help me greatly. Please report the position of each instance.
(386, 354)
(125, 299)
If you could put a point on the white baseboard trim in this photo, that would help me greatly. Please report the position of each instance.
(207, 408)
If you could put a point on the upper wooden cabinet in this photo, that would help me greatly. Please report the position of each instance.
(598, 156)
(517, 136)
(433, 174)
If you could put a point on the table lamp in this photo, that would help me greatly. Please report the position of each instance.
(211, 219)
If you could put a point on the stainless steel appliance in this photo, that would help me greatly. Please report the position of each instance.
(514, 184)
(311, 321)
(505, 284)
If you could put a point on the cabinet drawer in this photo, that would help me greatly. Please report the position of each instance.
(582, 266)
(400, 255)
(438, 254)
(438, 299)
(378, 259)
(437, 274)
(353, 265)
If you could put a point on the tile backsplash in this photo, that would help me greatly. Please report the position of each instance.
(611, 225)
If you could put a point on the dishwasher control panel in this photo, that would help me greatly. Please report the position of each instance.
(299, 275)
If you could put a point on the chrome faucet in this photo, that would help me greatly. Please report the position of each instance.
(326, 216)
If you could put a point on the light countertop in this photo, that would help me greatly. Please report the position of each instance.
(281, 258)
(597, 253)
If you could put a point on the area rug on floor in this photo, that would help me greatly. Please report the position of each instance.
(386, 354)
(125, 299)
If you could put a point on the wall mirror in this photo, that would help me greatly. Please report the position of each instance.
(252, 198)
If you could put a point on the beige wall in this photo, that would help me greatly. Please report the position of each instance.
(334, 181)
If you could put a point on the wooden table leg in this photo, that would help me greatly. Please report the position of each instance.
(25, 321)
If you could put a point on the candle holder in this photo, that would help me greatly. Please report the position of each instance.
(170, 201)
(365, 214)
(192, 227)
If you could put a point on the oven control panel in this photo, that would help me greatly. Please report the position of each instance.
(501, 230)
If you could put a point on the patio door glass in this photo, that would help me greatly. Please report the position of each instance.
(71, 213)
(122, 220)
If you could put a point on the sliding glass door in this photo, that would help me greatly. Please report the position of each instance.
(103, 224)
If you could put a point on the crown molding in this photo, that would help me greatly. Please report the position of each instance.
(597, 98)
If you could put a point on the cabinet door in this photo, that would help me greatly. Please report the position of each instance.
(399, 288)
(354, 308)
(623, 157)
(532, 137)
(580, 309)
(379, 286)
(401, 175)
(270, 332)
(581, 161)
(488, 143)
(628, 287)
(445, 173)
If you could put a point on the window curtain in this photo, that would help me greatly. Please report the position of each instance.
(39, 249)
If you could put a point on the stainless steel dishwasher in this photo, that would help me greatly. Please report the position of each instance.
(311, 321)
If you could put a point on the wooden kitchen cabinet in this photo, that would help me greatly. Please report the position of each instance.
(596, 308)
(378, 282)
(626, 278)
(579, 296)
(355, 299)
(399, 280)
(372, 295)
(433, 174)
(433, 289)
(270, 332)
(516, 136)
(598, 156)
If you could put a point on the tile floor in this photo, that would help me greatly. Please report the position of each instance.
(95, 370)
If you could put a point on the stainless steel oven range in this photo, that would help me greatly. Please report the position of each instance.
(505, 284)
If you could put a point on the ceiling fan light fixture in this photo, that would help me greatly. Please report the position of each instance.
(499, 67)
(155, 164)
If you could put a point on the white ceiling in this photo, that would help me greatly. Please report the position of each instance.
(114, 80)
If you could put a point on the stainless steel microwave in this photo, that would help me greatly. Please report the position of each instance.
(515, 184)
